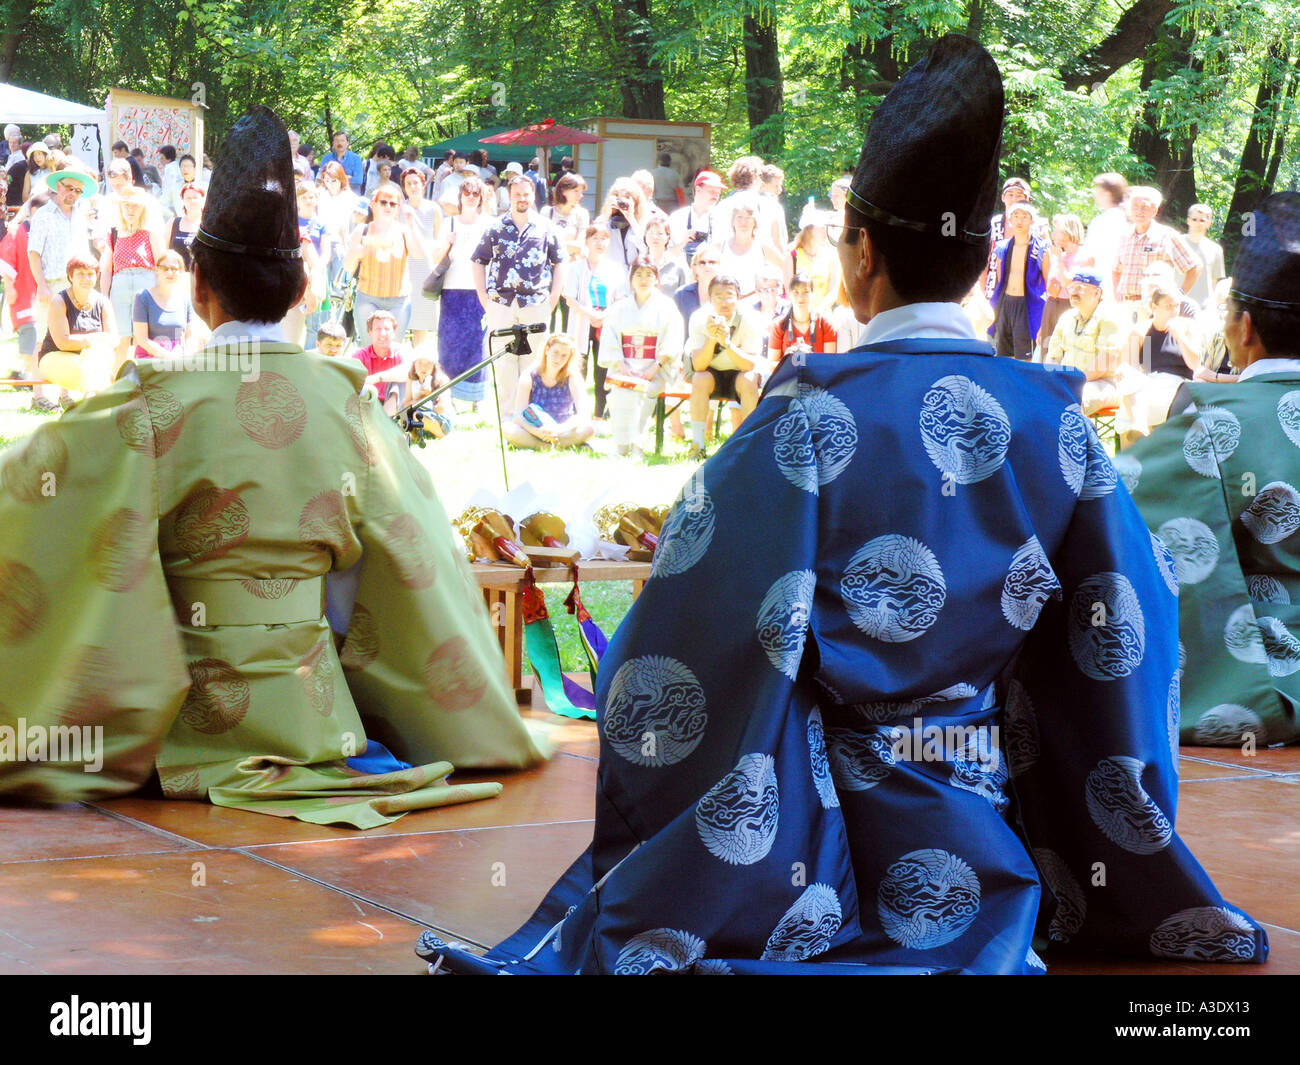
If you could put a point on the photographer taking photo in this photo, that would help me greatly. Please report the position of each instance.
(692, 226)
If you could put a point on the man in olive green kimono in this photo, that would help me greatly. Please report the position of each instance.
(229, 570)
(1220, 485)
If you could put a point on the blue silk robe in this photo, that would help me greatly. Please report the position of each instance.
(903, 689)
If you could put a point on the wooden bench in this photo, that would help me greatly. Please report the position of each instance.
(503, 591)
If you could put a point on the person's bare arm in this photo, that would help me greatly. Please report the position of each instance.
(480, 284)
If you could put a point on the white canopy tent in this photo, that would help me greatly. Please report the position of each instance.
(25, 106)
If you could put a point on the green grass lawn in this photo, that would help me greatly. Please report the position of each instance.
(468, 461)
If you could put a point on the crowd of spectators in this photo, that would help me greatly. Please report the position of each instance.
(658, 290)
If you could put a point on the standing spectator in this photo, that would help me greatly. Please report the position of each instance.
(427, 217)
(58, 231)
(135, 241)
(461, 333)
(1014, 190)
(478, 159)
(378, 251)
(625, 216)
(347, 159)
(540, 193)
(801, 329)
(848, 330)
(16, 171)
(1147, 242)
(745, 252)
(771, 184)
(519, 270)
(152, 179)
(671, 269)
(640, 347)
(722, 348)
(551, 403)
(20, 293)
(1108, 227)
(324, 249)
(1022, 264)
(1068, 256)
(13, 143)
(171, 177)
(180, 236)
(340, 209)
(692, 226)
(379, 155)
(187, 168)
(163, 321)
(668, 192)
(645, 182)
(301, 167)
(451, 181)
(38, 166)
(1088, 338)
(743, 178)
(567, 214)
(839, 194)
(815, 256)
(1210, 254)
(593, 285)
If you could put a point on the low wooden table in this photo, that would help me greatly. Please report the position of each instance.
(503, 590)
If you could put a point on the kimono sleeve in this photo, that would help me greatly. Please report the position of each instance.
(1091, 712)
(91, 666)
(421, 657)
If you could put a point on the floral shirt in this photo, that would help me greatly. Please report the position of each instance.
(519, 263)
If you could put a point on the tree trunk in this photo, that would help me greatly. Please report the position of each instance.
(1134, 31)
(1167, 153)
(16, 15)
(764, 90)
(1262, 152)
(643, 80)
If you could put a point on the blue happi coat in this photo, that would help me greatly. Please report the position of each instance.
(903, 689)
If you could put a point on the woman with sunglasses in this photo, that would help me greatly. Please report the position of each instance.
(378, 252)
(460, 320)
(163, 319)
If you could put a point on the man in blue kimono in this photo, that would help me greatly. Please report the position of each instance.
(842, 729)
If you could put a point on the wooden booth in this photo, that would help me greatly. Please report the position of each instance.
(634, 144)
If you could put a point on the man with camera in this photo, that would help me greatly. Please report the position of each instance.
(519, 270)
(689, 227)
(723, 347)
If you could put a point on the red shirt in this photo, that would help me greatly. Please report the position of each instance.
(785, 334)
(17, 273)
(374, 363)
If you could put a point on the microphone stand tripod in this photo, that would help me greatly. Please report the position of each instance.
(410, 419)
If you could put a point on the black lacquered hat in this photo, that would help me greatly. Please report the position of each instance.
(930, 160)
(1266, 272)
(251, 207)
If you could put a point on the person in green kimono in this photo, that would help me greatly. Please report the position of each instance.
(227, 569)
(1219, 483)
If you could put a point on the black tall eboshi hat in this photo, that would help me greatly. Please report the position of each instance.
(930, 159)
(1266, 272)
(251, 207)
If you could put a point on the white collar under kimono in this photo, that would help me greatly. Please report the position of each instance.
(1262, 366)
(914, 320)
(271, 332)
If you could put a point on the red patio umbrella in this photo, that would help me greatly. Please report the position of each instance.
(545, 135)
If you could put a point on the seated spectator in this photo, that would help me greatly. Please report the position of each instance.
(1090, 339)
(425, 377)
(163, 321)
(331, 340)
(722, 348)
(551, 401)
(640, 346)
(78, 352)
(1022, 265)
(591, 287)
(386, 361)
(705, 264)
(1168, 348)
(801, 330)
